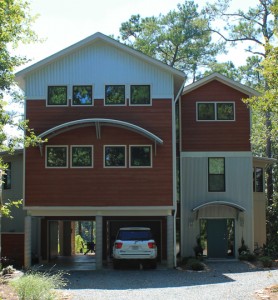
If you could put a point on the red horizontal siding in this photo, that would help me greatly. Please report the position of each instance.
(99, 186)
(13, 248)
(215, 136)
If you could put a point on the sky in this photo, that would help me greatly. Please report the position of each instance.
(62, 23)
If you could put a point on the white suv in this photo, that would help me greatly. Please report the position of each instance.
(135, 244)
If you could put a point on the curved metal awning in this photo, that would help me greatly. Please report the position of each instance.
(224, 203)
(98, 122)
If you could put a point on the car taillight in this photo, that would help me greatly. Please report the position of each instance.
(118, 245)
(152, 245)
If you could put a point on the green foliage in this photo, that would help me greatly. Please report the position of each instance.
(266, 261)
(79, 244)
(195, 265)
(38, 286)
(180, 38)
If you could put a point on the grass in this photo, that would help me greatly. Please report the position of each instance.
(38, 286)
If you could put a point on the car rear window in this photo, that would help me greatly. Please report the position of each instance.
(130, 235)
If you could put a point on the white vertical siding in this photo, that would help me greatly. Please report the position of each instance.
(194, 192)
(99, 64)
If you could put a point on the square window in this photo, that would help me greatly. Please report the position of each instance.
(7, 178)
(114, 95)
(114, 156)
(216, 174)
(140, 94)
(57, 95)
(206, 111)
(140, 156)
(82, 95)
(56, 156)
(82, 156)
(225, 111)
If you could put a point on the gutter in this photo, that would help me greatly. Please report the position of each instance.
(175, 171)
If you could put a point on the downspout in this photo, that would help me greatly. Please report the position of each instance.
(175, 169)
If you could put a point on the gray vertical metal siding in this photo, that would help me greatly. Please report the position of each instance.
(99, 64)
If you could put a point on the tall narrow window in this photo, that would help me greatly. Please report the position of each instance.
(114, 95)
(140, 156)
(216, 174)
(115, 156)
(56, 156)
(258, 184)
(81, 156)
(57, 95)
(140, 95)
(82, 95)
(7, 177)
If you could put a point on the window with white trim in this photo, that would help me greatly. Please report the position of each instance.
(56, 156)
(215, 111)
(140, 94)
(216, 174)
(57, 95)
(140, 156)
(7, 177)
(82, 95)
(115, 95)
(114, 156)
(81, 156)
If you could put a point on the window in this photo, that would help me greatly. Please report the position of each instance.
(81, 156)
(140, 95)
(258, 184)
(140, 156)
(82, 95)
(216, 174)
(57, 95)
(7, 183)
(114, 156)
(215, 111)
(114, 95)
(56, 156)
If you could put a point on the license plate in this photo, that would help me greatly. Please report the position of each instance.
(134, 247)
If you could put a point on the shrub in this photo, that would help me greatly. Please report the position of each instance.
(8, 270)
(38, 286)
(247, 256)
(195, 265)
(266, 261)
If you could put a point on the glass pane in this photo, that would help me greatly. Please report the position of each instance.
(114, 156)
(81, 156)
(140, 156)
(259, 180)
(114, 94)
(225, 111)
(57, 95)
(82, 95)
(216, 166)
(206, 111)
(56, 156)
(216, 183)
(7, 178)
(140, 94)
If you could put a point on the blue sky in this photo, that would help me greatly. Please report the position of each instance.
(65, 22)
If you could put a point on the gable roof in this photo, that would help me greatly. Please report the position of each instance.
(177, 75)
(223, 79)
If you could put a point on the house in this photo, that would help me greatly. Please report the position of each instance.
(220, 204)
(106, 115)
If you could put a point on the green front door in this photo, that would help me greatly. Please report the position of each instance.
(217, 240)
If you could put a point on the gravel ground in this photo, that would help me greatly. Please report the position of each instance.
(222, 280)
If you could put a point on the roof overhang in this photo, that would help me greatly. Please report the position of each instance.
(223, 203)
(98, 123)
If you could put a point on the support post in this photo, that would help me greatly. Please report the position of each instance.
(170, 242)
(99, 242)
(27, 242)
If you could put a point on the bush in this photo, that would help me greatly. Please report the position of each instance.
(8, 270)
(38, 286)
(266, 261)
(195, 265)
(247, 256)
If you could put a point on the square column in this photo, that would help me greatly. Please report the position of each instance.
(99, 242)
(27, 242)
(170, 242)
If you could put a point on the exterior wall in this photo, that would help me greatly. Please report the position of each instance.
(99, 63)
(13, 248)
(99, 186)
(194, 192)
(214, 135)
